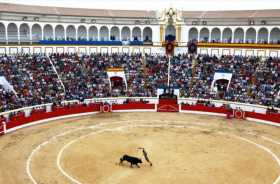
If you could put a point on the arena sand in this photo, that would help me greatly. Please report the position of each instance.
(184, 148)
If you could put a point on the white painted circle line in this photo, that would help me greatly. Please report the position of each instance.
(37, 149)
(28, 164)
(271, 140)
(265, 149)
(71, 178)
(58, 162)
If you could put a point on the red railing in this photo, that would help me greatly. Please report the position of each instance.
(203, 108)
(133, 105)
(168, 105)
(273, 117)
(37, 115)
(19, 118)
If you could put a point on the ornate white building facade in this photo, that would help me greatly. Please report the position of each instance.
(23, 28)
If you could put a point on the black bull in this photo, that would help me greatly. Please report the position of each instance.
(131, 160)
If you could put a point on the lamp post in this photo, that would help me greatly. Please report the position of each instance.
(168, 72)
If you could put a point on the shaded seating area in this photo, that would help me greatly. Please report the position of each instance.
(79, 42)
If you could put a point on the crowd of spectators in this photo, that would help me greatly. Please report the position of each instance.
(157, 73)
(254, 80)
(85, 76)
(38, 79)
(33, 80)
(8, 100)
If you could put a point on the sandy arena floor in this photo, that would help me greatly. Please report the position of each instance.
(184, 148)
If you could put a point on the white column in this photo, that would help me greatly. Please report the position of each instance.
(42, 33)
(54, 35)
(257, 36)
(65, 32)
(30, 34)
(98, 33)
(210, 36)
(222, 36)
(155, 34)
(233, 36)
(18, 34)
(185, 34)
(141, 34)
(87, 34)
(131, 34)
(6, 34)
(77, 33)
(268, 36)
(120, 34)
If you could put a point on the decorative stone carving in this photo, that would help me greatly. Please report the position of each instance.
(171, 16)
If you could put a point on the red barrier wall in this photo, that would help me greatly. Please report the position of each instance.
(204, 108)
(273, 117)
(37, 115)
(168, 105)
(133, 105)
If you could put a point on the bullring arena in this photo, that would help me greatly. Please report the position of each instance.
(183, 147)
(122, 96)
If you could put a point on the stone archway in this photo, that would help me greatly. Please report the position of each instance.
(170, 33)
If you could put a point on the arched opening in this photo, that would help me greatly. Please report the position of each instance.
(170, 33)
(2, 33)
(251, 35)
(36, 32)
(147, 34)
(193, 34)
(263, 35)
(104, 33)
(82, 33)
(59, 32)
(48, 32)
(227, 35)
(115, 34)
(136, 33)
(216, 35)
(220, 86)
(70, 33)
(24, 32)
(275, 35)
(12, 33)
(204, 35)
(93, 33)
(239, 35)
(125, 34)
(118, 87)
